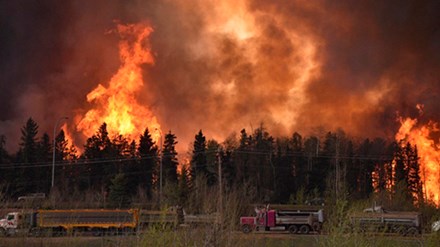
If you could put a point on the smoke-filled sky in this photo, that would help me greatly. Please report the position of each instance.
(221, 66)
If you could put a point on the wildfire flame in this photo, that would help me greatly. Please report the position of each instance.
(117, 105)
(428, 152)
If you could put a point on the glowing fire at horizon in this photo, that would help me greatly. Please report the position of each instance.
(428, 151)
(117, 105)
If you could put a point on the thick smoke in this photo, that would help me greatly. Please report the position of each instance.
(226, 65)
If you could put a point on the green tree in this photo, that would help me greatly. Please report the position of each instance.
(212, 162)
(400, 169)
(62, 169)
(131, 169)
(44, 157)
(198, 159)
(4, 156)
(119, 195)
(261, 165)
(284, 171)
(147, 151)
(383, 158)
(228, 168)
(414, 181)
(26, 157)
(169, 159)
(362, 182)
(98, 151)
(5, 165)
(312, 174)
(297, 162)
(29, 141)
(119, 151)
(184, 183)
(241, 158)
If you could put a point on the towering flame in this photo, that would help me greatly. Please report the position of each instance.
(429, 153)
(116, 104)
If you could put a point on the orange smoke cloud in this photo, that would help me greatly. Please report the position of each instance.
(220, 66)
(257, 69)
(117, 104)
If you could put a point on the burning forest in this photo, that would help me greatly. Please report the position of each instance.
(187, 82)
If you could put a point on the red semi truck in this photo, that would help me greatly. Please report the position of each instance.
(294, 221)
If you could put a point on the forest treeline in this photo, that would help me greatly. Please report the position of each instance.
(289, 169)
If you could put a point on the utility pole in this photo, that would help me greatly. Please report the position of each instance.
(160, 166)
(54, 149)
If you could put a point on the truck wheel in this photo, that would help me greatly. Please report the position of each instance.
(2, 232)
(97, 232)
(246, 228)
(412, 231)
(304, 229)
(126, 231)
(401, 230)
(35, 232)
(293, 229)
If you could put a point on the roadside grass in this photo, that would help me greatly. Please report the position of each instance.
(158, 236)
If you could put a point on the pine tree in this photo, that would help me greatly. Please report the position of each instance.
(43, 173)
(169, 159)
(4, 156)
(325, 168)
(29, 142)
(61, 156)
(400, 157)
(131, 169)
(27, 155)
(284, 171)
(364, 165)
(241, 158)
(414, 181)
(262, 168)
(98, 151)
(312, 174)
(228, 168)
(198, 160)
(119, 195)
(120, 150)
(5, 162)
(296, 162)
(212, 152)
(148, 161)
(184, 183)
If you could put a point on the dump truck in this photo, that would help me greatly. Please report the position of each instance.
(294, 221)
(377, 219)
(75, 221)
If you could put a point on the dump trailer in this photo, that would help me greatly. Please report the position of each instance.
(169, 217)
(379, 220)
(316, 211)
(296, 222)
(76, 221)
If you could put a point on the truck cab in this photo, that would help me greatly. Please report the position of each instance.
(294, 221)
(16, 223)
(10, 223)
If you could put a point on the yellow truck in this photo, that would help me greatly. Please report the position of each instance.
(75, 221)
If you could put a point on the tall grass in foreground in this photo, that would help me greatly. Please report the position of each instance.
(209, 236)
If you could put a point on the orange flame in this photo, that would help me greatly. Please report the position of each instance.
(428, 152)
(117, 105)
